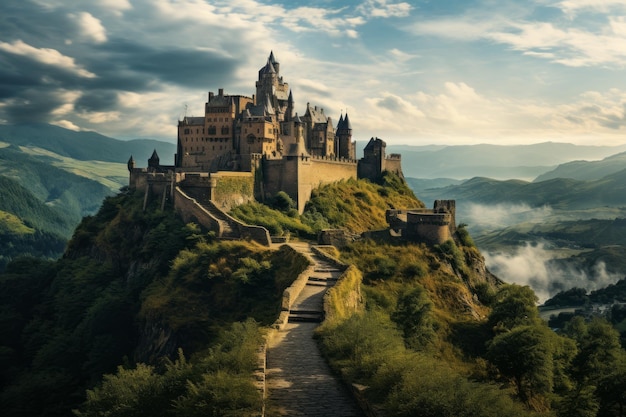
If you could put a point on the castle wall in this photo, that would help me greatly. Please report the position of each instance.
(189, 211)
(317, 171)
(394, 164)
(430, 228)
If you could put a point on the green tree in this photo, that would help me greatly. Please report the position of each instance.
(515, 306)
(525, 355)
(414, 316)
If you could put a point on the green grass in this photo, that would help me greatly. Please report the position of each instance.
(10, 223)
(110, 174)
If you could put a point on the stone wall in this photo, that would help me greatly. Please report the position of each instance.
(190, 211)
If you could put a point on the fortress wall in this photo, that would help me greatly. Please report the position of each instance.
(433, 234)
(394, 164)
(138, 179)
(280, 175)
(189, 211)
(314, 172)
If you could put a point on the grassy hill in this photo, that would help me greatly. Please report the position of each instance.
(586, 170)
(561, 193)
(52, 177)
(84, 146)
(494, 161)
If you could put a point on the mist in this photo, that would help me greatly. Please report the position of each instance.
(498, 216)
(535, 266)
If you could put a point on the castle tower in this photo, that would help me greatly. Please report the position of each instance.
(290, 107)
(345, 146)
(154, 161)
(271, 84)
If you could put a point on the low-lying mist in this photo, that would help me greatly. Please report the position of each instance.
(537, 262)
(535, 266)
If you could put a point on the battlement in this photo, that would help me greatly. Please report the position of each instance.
(433, 226)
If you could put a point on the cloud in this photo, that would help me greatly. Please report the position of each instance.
(572, 7)
(535, 266)
(89, 27)
(46, 56)
(385, 9)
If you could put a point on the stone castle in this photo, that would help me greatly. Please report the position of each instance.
(250, 148)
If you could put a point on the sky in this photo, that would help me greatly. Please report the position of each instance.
(413, 72)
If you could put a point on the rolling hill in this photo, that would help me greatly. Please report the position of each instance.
(494, 161)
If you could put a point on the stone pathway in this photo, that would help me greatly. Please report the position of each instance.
(299, 381)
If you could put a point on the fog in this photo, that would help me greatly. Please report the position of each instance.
(498, 216)
(533, 265)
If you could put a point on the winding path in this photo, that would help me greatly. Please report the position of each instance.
(299, 381)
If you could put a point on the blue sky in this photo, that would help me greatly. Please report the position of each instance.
(411, 72)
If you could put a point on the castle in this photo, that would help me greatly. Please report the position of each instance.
(250, 148)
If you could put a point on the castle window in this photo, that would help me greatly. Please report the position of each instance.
(224, 130)
(212, 130)
(186, 131)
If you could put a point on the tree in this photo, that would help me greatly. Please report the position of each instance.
(515, 306)
(525, 355)
(414, 316)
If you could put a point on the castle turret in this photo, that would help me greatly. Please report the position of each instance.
(345, 147)
(290, 107)
(153, 162)
(131, 163)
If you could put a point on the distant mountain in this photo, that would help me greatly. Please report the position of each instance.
(586, 170)
(493, 161)
(85, 146)
(50, 178)
(560, 193)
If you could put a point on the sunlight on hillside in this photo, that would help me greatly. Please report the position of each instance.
(110, 174)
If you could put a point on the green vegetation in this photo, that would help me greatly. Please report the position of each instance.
(356, 205)
(215, 382)
(424, 345)
(132, 288)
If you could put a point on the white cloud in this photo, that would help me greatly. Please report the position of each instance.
(89, 27)
(46, 56)
(68, 98)
(117, 7)
(385, 9)
(571, 7)
(66, 124)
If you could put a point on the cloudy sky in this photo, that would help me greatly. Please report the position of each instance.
(411, 72)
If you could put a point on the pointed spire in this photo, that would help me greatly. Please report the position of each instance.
(271, 58)
(131, 163)
(346, 122)
(154, 159)
(340, 122)
(270, 67)
(290, 99)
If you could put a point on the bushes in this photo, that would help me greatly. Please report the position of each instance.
(215, 383)
(369, 350)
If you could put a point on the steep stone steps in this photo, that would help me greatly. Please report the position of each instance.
(305, 316)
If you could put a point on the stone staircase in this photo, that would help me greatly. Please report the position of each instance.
(299, 381)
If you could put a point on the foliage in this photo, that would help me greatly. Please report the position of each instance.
(515, 306)
(65, 323)
(213, 283)
(277, 222)
(359, 205)
(214, 383)
(414, 316)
